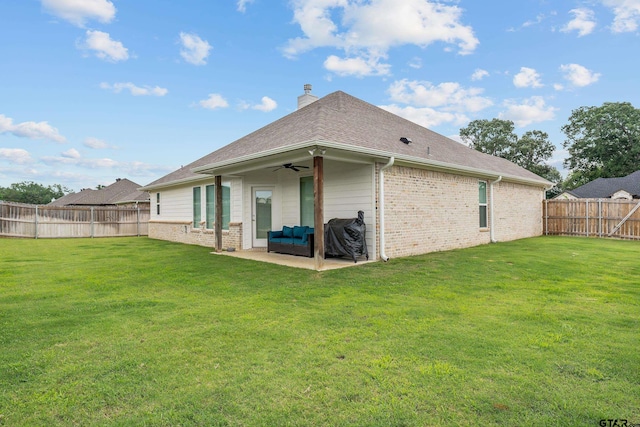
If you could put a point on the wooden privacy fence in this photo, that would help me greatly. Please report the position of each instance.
(35, 221)
(593, 218)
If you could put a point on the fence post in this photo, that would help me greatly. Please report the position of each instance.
(586, 209)
(138, 221)
(546, 217)
(91, 221)
(36, 223)
(599, 217)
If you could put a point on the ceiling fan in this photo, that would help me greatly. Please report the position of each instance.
(292, 167)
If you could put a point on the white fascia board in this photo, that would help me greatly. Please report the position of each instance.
(434, 164)
(372, 154)
(176, 183)
(210, 168)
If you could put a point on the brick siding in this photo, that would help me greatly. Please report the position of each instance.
(427, 211)
(183, 232)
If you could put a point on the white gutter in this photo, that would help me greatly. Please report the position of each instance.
(419, 161)
(492, 229)
(544, 195)
(383, 255)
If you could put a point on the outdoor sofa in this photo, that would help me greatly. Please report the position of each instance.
(297, 240)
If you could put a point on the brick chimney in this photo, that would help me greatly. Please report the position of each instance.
(307, 98)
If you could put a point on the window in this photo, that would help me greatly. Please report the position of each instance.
(197, 207)
(306, 201)
(211, 205)
(482, 198)
(158, 203)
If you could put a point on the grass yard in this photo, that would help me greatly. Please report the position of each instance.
(137, 332)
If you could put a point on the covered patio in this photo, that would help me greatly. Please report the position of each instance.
(268, 195)
(261, 255)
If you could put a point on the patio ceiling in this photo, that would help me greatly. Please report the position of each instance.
(301, 155)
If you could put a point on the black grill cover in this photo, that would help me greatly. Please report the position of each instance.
(345, 237)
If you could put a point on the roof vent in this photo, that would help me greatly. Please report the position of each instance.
(406, 140)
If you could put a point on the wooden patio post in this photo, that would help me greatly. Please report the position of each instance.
(218, 213)
(318, 203)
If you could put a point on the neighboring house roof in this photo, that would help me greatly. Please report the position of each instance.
(605, 187)
(121, 191)
(343, 122)
(69, 199)
(135, 196)
(566, 195)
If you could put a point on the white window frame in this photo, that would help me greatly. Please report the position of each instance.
(484, 205)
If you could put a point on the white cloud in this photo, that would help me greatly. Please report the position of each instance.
(135, 90)
(627, 15)
(427, 117)
(71, 153)
(242, 5)
(96, 144)
(214, 101)
(431, 105)
(449, 96)
(527, 77)
(479, 74)
(578, 75)
(532, 110)
(69, 160)
(368, 30)
(16, 155)
(583, 22)
(104, 47)
(145, 169)
(79, 11)
(87, 163)
(539, 19)
(558, 86)
(194, 50)
(359, 67)
(132, 168)
(416, 63)
(31, 130)
(267, 105)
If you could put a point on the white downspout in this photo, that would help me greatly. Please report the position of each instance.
(383, 255)
(491, 229)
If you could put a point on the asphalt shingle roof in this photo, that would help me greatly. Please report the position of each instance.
(123, 190)
(343, 119)
(605, 187)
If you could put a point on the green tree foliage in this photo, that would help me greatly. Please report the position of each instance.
(495, 137)
(603, 142)
(33, 193)
(498, 138)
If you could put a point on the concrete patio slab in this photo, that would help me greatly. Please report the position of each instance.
(292, 260)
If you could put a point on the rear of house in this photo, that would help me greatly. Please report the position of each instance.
(419, 191)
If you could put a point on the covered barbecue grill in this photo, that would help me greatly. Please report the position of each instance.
(346, 237)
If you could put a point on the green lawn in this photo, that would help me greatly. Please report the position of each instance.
(133, 332)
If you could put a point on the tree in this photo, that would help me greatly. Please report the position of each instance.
(532, 150)
(603, 142)
(497, 137)
(30, 192)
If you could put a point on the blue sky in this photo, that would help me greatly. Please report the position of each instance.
(94, 90)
